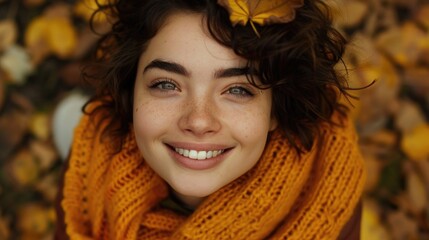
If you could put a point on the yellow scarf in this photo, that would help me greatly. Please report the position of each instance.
(285, 196)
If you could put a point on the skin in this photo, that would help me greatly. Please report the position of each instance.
(192, 93)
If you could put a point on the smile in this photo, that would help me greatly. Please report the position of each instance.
(199, 155)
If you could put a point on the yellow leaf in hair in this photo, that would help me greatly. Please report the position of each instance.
(261, 11)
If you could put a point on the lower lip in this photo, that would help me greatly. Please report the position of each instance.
(195, 164)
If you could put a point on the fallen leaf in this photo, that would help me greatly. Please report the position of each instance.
(423, 15)
(408, 116)
(23, 168)
(352, 13)
(16, 62)
(403, 44)
(402, 226)
(44, 152)
(416, 190)
(261, 12)
(371, 225)
(48, 186)
(35, 219)
(8, 33)
(417, 79)
(4, 228)
(40, 125)
(51, 33)
(415, 144)
(86, 8)
(373, 167)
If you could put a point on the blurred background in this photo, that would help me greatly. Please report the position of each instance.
(44, 43)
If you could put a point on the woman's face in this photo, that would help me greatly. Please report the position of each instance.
(198, 122)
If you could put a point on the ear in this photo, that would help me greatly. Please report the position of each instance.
(273, 123)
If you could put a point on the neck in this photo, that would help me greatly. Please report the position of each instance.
(188, 201)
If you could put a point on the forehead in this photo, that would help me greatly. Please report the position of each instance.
(184, 38)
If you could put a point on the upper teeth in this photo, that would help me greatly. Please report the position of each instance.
(200, 155)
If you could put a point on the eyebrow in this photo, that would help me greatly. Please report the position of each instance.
(181, 70)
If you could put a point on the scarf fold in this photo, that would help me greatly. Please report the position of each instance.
(285, 196)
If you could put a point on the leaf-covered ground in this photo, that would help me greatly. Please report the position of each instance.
(43, 44)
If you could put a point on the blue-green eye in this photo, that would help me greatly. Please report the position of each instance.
(165, 85)
(240, 91)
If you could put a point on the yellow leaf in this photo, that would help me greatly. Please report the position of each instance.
(415, 143)
(86, 8)
(371, 227)
(40, 126)
(35, 219)
(24, 168)
(62, 37)
(261, 12)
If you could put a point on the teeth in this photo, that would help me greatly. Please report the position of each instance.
(200, 155)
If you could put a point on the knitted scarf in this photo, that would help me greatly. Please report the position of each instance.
(284, 196)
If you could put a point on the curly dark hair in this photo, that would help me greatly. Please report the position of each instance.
(295, 59)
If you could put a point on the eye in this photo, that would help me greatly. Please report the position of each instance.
(240, 91)
(164, 85)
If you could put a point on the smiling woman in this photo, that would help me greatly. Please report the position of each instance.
(203, 128)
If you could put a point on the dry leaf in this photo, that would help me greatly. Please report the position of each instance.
(51, 33)
(417, 79)
(415, 143)
(373, 167)
(416, 190)
(352, 13)
(403, 44)
(15, 61)
(40, 126)
(402, 226)
(423, 15)
(23, 167)
(35, 219)
(8, 34)
(86, 8)
(48, 186)
(4, 228)
(408, 116)
(261, 12)
(371, 226)
(45, 154)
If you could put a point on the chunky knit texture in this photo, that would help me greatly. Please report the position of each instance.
(285, 196)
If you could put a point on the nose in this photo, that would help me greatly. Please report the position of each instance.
(200, 118)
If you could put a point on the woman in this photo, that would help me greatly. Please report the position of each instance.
(208, 127)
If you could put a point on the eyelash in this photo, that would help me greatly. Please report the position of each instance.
(160, 85)
(243, 92)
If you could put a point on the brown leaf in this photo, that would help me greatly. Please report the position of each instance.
(408, 116)
(402, 226)
(4, 228)
(415, 144)
(373, 167)
(416, 190)
(403, 44)
(44, 152)
(423, 15)
(33, 3)
(8, 33)
(417, 79)
(352, 13)
(48, 186)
